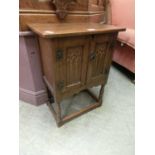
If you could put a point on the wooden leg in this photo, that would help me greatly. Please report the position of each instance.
(58, 113)
(101, 94)
(50, 96)
(99, 98)
(98, 103)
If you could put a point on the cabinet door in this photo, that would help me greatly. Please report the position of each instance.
(71, 55)
(100, 55)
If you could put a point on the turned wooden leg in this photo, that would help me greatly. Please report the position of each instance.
(101, 94)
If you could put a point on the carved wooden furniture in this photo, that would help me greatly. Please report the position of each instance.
(44, 11)
(61, 7)
(75, 57)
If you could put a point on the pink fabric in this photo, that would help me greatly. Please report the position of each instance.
(125, 56)
(127, 37)
(123, 13)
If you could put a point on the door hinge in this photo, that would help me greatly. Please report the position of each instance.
(59, 54)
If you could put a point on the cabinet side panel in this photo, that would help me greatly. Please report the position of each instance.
(46, 49)
(109, 55)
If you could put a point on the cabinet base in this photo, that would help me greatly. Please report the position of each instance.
(57, 113)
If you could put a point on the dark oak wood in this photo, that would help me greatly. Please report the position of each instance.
(75, 57)
(49, 30)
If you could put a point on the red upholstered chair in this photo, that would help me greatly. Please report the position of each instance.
(123, 14)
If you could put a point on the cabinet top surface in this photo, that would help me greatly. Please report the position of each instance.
(51, 30)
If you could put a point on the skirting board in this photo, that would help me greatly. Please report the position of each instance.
(35, 98)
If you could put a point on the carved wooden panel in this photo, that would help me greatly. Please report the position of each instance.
(98, 51)
(62, 6)
(71, 69)
(74, 66)
(98, 63)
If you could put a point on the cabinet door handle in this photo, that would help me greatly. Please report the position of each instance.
(92, 56)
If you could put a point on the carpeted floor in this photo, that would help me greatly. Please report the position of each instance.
(108, 130)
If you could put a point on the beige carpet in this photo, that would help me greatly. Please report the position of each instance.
(108, 130)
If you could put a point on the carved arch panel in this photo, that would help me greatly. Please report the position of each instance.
(99, 49)
(71, 68)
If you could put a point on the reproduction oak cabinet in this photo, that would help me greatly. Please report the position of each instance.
(75, 57)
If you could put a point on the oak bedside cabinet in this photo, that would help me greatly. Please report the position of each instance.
(75, 57)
